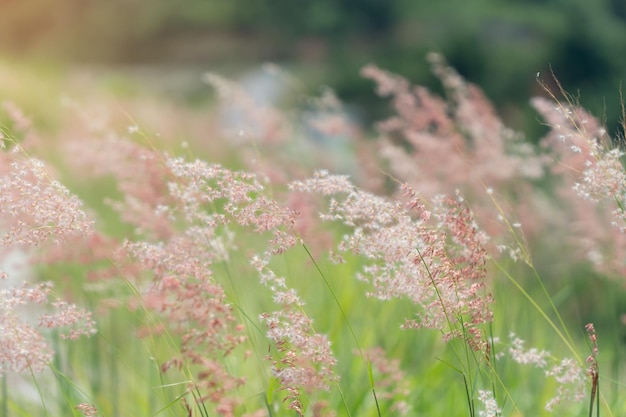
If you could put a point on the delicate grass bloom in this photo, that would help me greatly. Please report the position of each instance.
(433, 258)
(35, 212)
(490, 406)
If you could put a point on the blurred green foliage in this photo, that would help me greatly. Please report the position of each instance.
(499, 44)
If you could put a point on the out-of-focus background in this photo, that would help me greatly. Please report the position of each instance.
(498, 44)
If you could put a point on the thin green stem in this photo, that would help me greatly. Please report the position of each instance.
(350, 328)
(5, 395)
(541, 311)
(334, 295)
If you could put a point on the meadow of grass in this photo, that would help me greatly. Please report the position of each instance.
(243, 258)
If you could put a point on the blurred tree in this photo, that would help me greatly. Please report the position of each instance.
(499, 44)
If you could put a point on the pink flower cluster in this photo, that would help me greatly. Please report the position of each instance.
(35, 211)
(567, 372)
(199, 205)
(434, 258)
(23, 347)
(441, 146)
(593, 184)
(304, 359)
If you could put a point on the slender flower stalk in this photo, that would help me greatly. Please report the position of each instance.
(594, 370)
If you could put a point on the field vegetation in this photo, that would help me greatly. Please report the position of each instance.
(284, 258)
